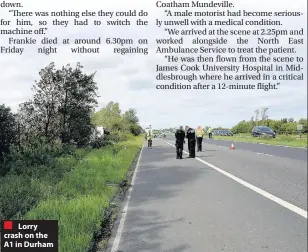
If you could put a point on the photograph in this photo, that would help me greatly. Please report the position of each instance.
(153, 126)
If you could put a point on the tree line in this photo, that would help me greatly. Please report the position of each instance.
(282, 126)
(59, 117)
(285, 126)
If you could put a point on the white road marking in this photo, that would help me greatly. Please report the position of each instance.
(265, 194)
(237, 141)
(260, 153)
(117, 239)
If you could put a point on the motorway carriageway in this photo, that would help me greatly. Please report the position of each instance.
(223, 200)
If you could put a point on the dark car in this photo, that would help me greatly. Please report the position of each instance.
(222, 133)
(228, 133)
(216, 132)
(263, 131)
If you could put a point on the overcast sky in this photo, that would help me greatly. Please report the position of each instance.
(130, 80)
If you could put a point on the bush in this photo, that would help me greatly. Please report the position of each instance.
(8, 130)
(25, 186)
(119, 136)
(98, 142)
(121, 126)
(18, 194)
(35, 158)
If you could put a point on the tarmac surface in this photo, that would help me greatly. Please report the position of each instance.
(274, 150)
(223, 200)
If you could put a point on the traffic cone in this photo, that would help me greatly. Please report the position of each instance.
(232, 146)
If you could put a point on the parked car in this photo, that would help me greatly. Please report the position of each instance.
(228, 133)
(216, 133)
(222, 133)
(258, 131)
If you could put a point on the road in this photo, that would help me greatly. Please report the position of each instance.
(210, 203)
(280, 151)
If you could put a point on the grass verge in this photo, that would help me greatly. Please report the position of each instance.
(81, 201)
(290, 140)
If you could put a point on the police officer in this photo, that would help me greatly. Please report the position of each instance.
(179, 142)
(200, 133)
(186, 128)
(209, 131)
(191, 136)
(149, 138)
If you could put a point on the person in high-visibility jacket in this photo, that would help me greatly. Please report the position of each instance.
(209, 131)
(199, 135)
(149, 138)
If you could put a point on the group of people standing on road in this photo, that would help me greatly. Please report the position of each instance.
(193, 137)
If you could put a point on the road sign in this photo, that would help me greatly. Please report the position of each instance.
(299, 127)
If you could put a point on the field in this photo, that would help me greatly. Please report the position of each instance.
(290, 140)
(79, 200)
